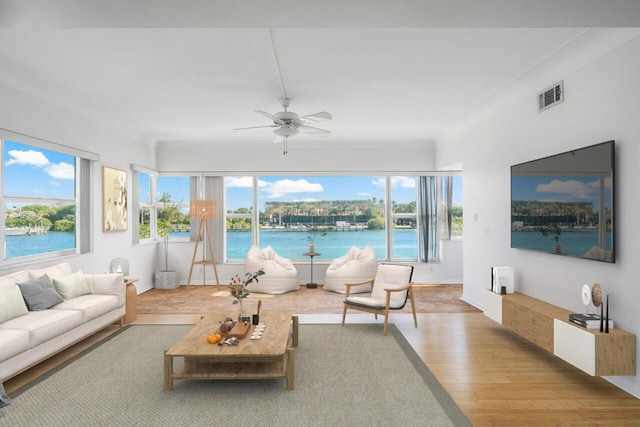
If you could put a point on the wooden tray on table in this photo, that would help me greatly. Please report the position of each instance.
(239, 330)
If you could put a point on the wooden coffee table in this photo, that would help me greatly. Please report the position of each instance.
(267, 358)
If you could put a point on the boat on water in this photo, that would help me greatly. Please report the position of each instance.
(24, 231)
(16, 231)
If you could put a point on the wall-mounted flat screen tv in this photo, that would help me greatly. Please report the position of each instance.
(564, 205)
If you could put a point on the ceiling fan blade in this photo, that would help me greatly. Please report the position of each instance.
(313, 131)
(322, 116)
(257, 127)
(270, 116)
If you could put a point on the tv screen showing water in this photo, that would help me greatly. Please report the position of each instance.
(563, 204)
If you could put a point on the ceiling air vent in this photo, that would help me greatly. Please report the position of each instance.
(550, 97)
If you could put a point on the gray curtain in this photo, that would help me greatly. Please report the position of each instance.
(428, 214)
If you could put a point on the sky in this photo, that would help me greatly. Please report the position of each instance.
(301, 188)
(566, 189)
(34, 172)
(317, 188)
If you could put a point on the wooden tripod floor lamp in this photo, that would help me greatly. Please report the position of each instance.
(203, 210)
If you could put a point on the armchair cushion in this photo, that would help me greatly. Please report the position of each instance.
(393, 284)
(356, 265)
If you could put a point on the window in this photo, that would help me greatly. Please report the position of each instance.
(352, 210)
(239, 215)
(39, 201)
(172, 207)
(144, 206)
(451, 207)
(404, 217)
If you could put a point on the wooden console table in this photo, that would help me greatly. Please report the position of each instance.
(548, 326)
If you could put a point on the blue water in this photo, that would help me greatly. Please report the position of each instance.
(53, 241)
(289, 244)
(292, 244)
(575, 243)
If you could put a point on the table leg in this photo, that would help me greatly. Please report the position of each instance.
(289, 374)
(294, 331)
(168, 372)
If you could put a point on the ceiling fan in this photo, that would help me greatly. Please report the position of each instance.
(288, 124)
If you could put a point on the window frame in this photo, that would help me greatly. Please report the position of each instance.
(81, 201)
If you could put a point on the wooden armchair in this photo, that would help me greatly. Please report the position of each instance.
(390, 290)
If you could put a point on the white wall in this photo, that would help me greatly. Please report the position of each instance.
(24, 114)
(601, 103)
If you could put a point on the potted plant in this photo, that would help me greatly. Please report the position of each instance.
(313, 232)
(238, 287)
(167, 216)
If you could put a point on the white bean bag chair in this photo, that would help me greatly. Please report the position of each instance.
(355, 266)
(280, 275)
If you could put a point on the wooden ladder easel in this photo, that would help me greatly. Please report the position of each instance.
(203, 224)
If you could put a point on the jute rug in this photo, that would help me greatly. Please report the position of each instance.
(348, 376)
(200, 299)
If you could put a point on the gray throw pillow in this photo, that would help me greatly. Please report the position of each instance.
(39, 294)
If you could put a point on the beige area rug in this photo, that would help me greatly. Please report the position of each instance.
(119, 382)
(200, 299)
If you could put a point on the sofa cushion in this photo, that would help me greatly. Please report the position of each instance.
(39, 294)
(11, 304)
(91, 305)
(71, 286)
(45, 324)
(9, 280)
(12, 342)
(54, 272)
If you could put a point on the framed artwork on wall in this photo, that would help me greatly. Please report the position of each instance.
(114, 199)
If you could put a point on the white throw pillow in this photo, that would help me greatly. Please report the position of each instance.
(56, 271)
(71, 286)
(11, 304)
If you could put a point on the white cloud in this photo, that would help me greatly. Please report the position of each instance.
(39, 160)
(31, 157)
(578, 189)
(403, 182)
(379, 182)
(61, 170)
(287, 186)
(240, 181)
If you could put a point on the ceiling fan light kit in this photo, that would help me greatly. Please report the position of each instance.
(288, 124)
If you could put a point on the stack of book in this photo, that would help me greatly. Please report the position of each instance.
(588, 320)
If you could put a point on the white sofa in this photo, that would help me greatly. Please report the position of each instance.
(280, 275)
(90, 302)
(356, 265)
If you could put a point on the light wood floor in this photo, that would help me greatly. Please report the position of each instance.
(495, 377)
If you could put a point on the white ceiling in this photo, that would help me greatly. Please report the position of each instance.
(163, 70)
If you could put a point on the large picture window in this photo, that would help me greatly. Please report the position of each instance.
(380, 211)
(39, 201)
(284, 211)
